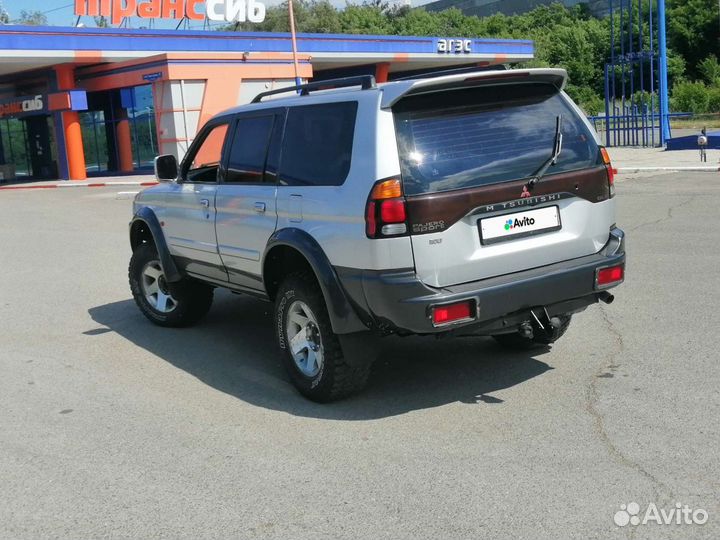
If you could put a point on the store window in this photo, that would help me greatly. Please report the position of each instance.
(15, 148)
(119, 130)
(27, 148)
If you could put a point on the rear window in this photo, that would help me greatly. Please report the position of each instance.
(473, 137)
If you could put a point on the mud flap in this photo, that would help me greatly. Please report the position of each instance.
(360, 348)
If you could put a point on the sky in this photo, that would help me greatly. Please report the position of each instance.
(60, 12)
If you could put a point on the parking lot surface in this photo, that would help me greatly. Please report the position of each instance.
(112, 427)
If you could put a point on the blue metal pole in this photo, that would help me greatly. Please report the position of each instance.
(662, 51)
(652, 76)
(607, 107)
(610, 96)
(641, 53)
(631, 28)
(612, 84)
(623, 128)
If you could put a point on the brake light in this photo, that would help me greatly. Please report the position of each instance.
(386, 214)
(393, 211)
(609, 276)
(451, 313)
(610, 170)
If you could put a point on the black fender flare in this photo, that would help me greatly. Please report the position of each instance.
(148, 217)
(343, 317)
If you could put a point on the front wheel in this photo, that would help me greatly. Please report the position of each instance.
(311, 351)
(166, 304)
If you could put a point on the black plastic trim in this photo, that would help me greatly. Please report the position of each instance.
(147, 216)
(398, 301)
(343, 316)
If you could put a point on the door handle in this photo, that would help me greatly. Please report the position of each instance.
(259, 207)
(205, 203)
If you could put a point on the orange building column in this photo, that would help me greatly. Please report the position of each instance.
(71, 127)
(123, 141)
(381, 72)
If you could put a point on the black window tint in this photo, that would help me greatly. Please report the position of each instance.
(318, 143)
(479, 136)
(249, 149)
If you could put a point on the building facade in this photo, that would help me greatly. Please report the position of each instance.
(89, 101)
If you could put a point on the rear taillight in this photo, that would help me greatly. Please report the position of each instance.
(450, 313)
(610, 170)
(612, 275)
(386, 213)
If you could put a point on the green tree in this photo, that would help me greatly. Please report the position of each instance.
(694, 30)
(710, 70)
(365, 19)
(564, 37)
(714, 100)
(32, 18)
(690, 97)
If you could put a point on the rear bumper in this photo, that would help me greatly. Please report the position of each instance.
(398, 301)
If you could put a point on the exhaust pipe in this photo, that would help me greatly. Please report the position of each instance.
(606, 297)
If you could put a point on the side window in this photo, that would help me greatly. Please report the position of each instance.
(204, 164)
(317, 146)
(248, 152)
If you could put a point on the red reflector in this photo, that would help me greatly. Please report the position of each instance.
(452, 312)
(370, 223)
(392, 211)
(610, 275)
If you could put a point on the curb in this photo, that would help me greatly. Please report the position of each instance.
(706, 168)
(65, 185)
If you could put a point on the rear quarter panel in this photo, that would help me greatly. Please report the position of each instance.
(335, 215)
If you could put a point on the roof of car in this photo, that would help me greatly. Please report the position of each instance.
(395, 90)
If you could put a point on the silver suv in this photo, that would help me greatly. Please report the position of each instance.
(468, 204)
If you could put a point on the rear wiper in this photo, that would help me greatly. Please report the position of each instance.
(557, 148)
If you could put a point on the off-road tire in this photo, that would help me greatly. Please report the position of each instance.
(336, 378)
(192, 298)
(519, 342)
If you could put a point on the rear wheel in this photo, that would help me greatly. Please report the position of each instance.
(312, 353)
(539, 339)
(176, 304)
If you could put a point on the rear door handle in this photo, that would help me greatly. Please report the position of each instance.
(259, 207)
(205, 203)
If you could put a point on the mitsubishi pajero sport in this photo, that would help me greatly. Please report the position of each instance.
(476, 203)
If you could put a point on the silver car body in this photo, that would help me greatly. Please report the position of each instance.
(223, 229)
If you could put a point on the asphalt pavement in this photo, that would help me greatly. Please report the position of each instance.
(111, 427)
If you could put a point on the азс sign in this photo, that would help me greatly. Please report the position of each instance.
(215, 10)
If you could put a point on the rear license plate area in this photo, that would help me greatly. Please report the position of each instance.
(519, 225)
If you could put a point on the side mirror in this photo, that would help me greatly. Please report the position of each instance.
(166, 168)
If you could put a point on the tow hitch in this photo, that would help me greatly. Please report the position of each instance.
(541, 324)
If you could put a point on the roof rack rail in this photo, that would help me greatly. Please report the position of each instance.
(364, 81)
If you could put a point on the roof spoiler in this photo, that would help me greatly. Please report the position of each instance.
(395, 91)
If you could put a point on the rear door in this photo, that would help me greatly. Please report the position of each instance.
(466, 157)
(245, 202)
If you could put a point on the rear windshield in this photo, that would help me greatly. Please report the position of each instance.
(473, 137)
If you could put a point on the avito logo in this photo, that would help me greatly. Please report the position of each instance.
(524, 222)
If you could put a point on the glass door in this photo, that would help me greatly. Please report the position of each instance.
(104, 137)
